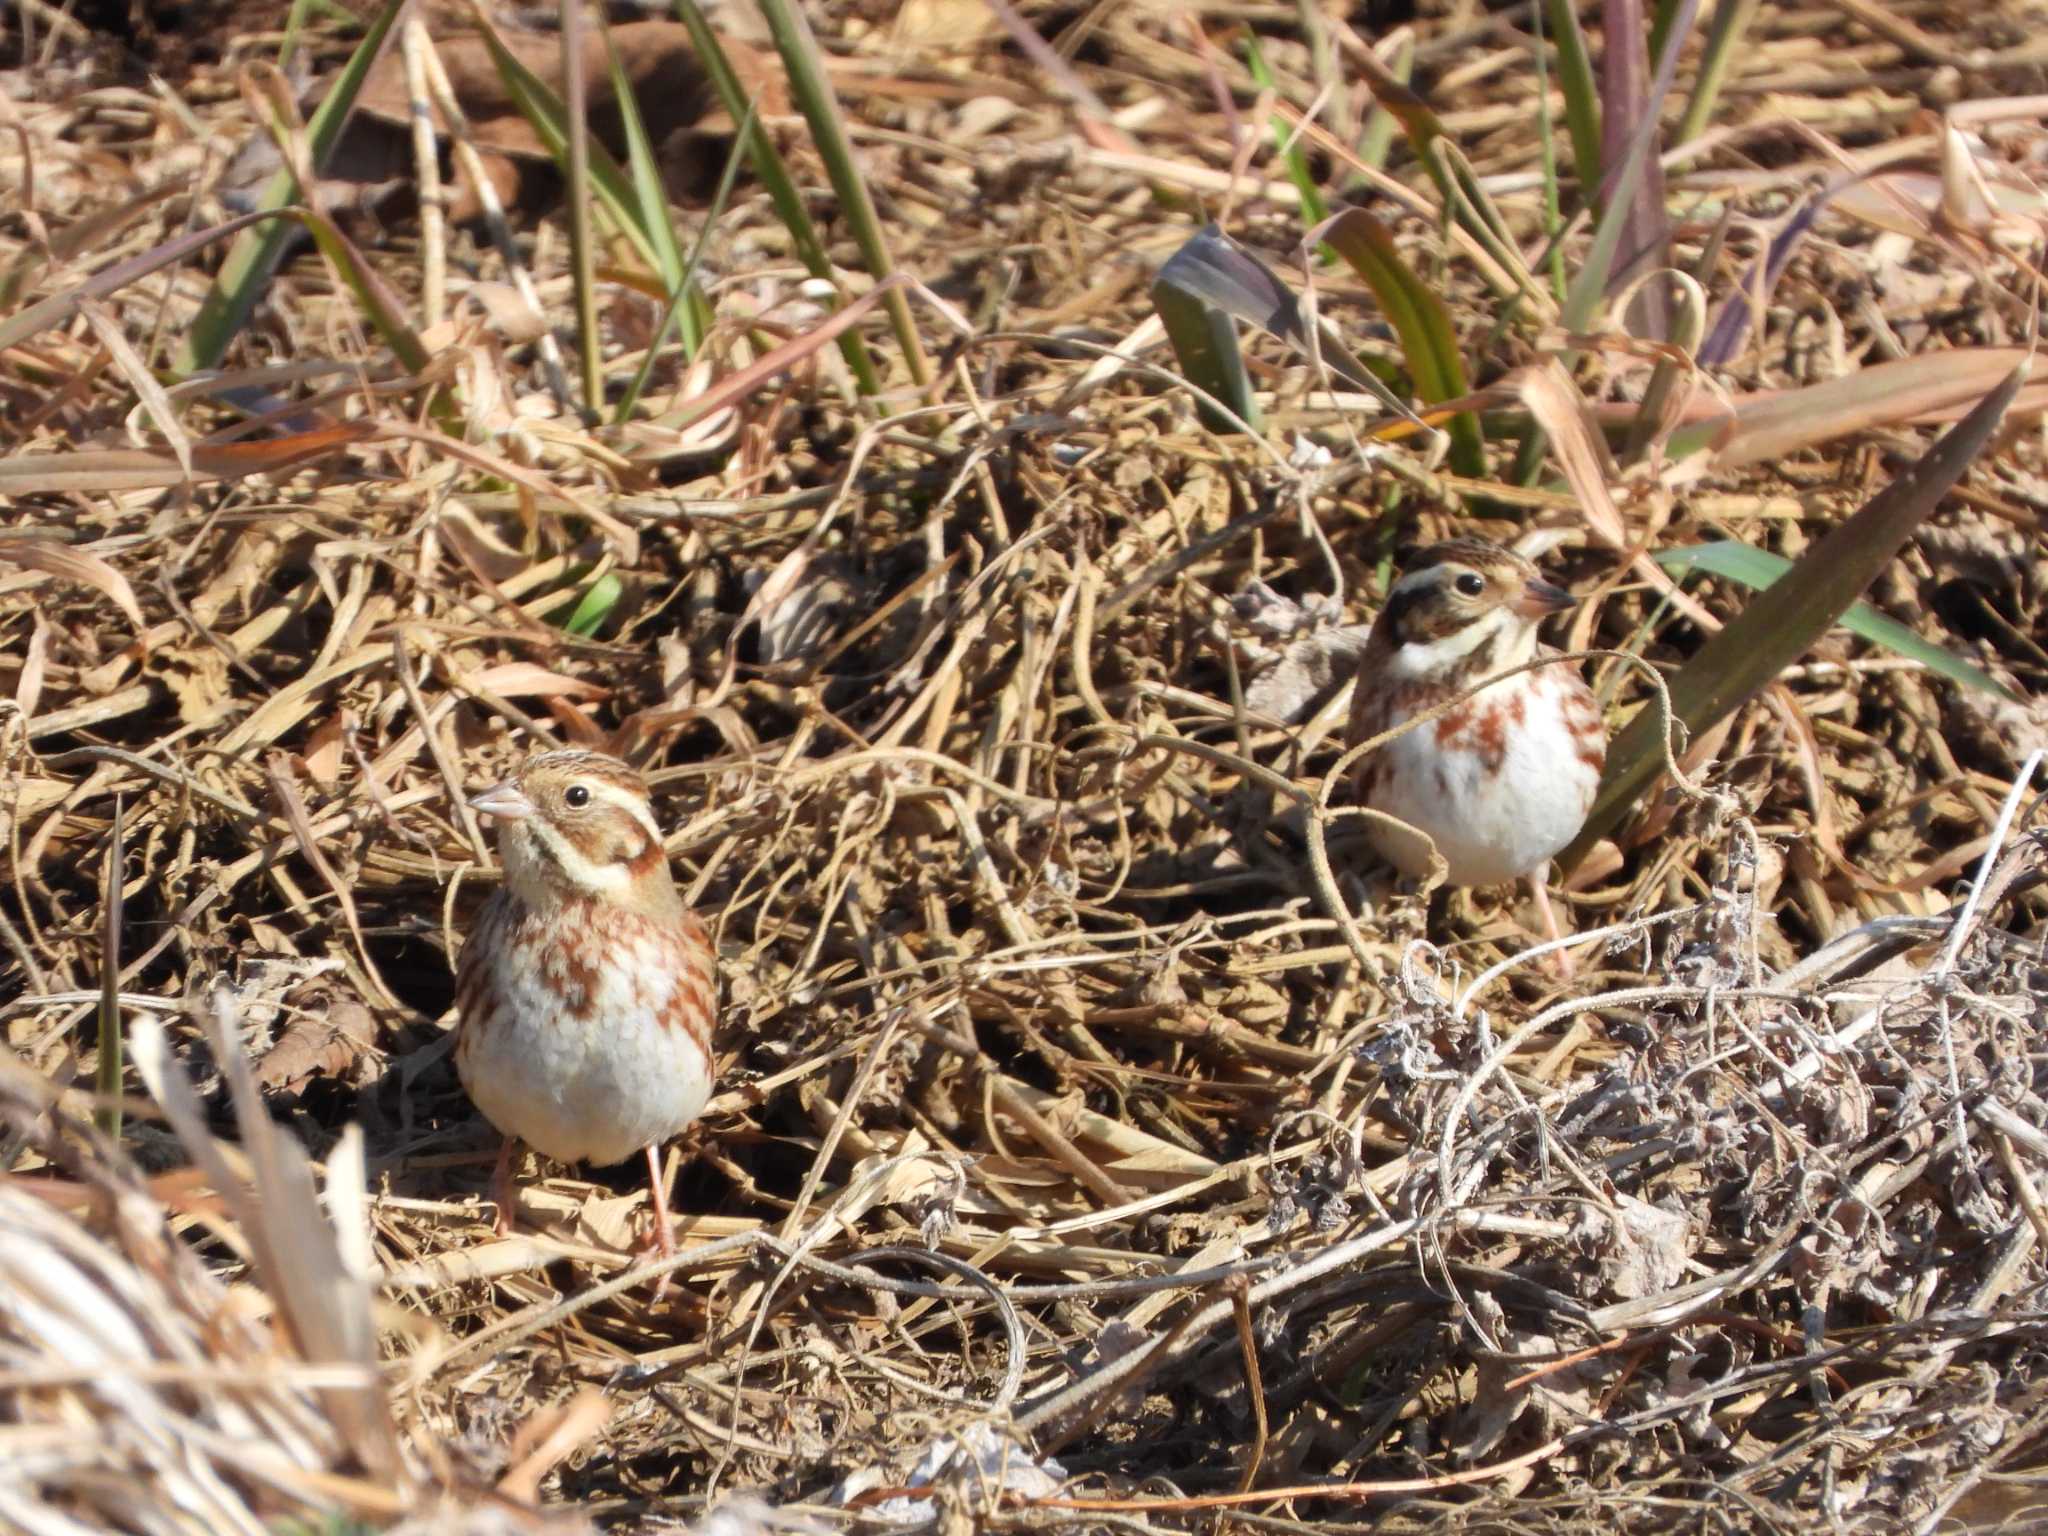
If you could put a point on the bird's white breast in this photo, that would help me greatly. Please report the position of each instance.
(1493, 820)
(587, 1063)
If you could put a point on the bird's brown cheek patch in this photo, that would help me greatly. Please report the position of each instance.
(1433, 621)
(643, 861)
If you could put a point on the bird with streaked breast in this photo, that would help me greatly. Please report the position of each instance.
(587, 991)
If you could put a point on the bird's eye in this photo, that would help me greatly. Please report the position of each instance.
(1470, 583)
(577, 797)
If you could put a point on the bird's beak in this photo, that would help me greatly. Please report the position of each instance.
(1539, 599)
(504, 801)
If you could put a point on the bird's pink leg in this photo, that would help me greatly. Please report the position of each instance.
(1560, 960)
(664, 1233)
(501, 1187)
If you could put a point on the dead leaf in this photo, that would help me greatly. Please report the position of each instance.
(321, 760)
(1505, 1395)
(35, 665)
(551, 1437)
(1306, 672)
(807, 613)
(678, 105)
(55, 559)
(506, 308)
(1640, 1252)
(199, 680)
(524, 680)
(331, 1036)
(1589, 470)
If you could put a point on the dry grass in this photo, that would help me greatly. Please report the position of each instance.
(1060, 1116)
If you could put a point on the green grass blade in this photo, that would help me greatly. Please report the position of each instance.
(254, 256)
(1686, 319)
(1661, 25)
(1758, 569)
(685, 294)
(1464, 198)
(805, 62)
(645, 171)
(1622, 199)
(774, 176)
(384, 309)
(1724, 35)
(108, 1081)
(761, 151)
(544, 111)
(1428, 340)
(582, 232)
(1404, 104)
(1581, 95)
(1313, 209)
(1378, 135)
(1776, 629)
(1206, 346)
(1324, 66)
(595, 606)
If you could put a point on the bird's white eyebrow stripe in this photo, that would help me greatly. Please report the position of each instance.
(625, 800)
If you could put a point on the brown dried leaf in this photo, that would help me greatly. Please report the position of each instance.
(321, 760)
(1547, 390)
(1306, 671)
(331, 1036)
(524, 680)
(199, 680)
(1937, 388)
(73, 564)
(549, 1438)
(35, 665)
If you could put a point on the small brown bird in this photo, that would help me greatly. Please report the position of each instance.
(586, 994)
(1504, 781)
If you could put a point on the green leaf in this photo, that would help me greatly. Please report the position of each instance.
(774, 174)
(1428, 339)
(1758, 569)
(1206, 346)
(543, 109)
(383, 308)
(686, 294)
(245, 272)
(1632, 194)
(1465, 198)
(1581, 95)
(1378, 135)
(653, 199)
(1731, 19)
(1286, 140)
(1776, 629)
(808, 83)
(595, 606)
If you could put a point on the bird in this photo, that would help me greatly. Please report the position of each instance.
(586, 993)
(1503, 781)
